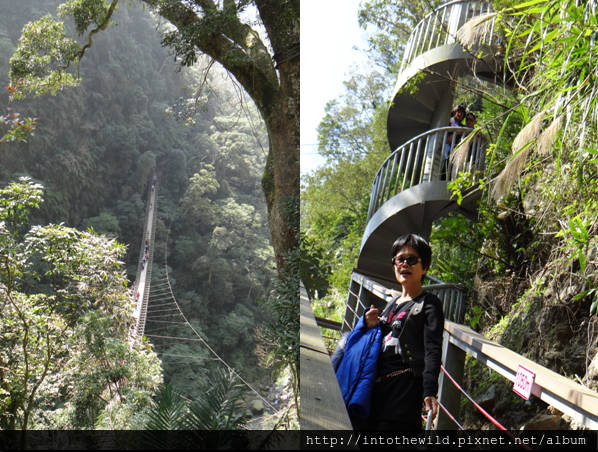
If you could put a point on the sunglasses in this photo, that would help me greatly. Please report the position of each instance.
(470, 119)
(410, 260)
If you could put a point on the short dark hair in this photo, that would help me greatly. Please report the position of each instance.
(470, 113)
(420, 245)
(458, 108)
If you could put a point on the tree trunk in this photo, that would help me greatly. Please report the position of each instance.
(281, 176)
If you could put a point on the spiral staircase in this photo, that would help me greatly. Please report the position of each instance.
(409, 192)
(410, 189)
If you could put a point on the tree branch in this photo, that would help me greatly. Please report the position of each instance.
(482, 254)
(239, 50)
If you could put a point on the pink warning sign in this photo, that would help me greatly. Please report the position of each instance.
(524, 382)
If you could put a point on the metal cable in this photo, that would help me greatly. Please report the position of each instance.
(162, 310)
(483, 411)
(456, 422)
(188, 356)
(201, 339)
(160, 305)
(163, 315)
(165, 321)
(172, 337)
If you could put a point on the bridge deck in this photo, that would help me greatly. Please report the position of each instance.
(143, 282)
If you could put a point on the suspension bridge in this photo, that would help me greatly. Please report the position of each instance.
(156, 310)
(409, 192)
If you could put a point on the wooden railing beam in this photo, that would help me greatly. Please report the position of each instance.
(564, 394)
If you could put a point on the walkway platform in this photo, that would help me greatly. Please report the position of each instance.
(322, 405)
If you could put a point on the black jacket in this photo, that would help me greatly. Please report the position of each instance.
(421, 340)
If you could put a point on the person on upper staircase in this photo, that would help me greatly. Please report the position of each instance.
(457, 116)
(470, 120)
(457, 120)
(452, 139)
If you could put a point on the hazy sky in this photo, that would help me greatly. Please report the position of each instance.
(329, 31)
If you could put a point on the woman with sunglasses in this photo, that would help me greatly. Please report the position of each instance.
(409, 362)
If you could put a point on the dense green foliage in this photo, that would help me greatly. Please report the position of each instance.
(66, 316)
(267, 70)
(221, 408)
(94, 151)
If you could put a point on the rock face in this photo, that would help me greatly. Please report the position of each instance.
(593, 368)
(257, 407)
(542, 422)
(488, 399)
(568, 423)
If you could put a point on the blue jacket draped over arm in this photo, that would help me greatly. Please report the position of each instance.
(357, 371)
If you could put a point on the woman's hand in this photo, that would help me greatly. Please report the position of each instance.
(371, 318)
(431, 404)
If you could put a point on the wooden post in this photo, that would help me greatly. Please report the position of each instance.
(453, 360)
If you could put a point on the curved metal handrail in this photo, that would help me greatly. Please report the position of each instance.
(441, 25)
(420, 159)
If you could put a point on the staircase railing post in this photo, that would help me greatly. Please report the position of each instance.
(364, 300)
(352, 304)
(454, 22)
(453, 360)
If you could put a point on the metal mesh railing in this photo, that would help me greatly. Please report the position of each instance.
(451, 295)
(441, 25)
(421, 160)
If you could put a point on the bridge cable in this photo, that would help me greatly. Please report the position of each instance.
(200, 339)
